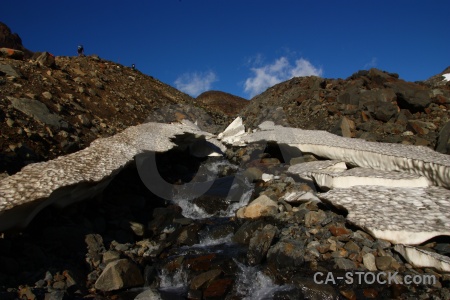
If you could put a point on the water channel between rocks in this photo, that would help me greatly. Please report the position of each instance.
(189, 246)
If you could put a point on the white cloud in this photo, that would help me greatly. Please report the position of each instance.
(195, 83)
(371, 64)
(281, 70)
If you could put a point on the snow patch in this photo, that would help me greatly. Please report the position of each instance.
(423, 258)
(446, 77)
(399, 215)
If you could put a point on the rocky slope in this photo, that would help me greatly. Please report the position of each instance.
(222, 102)
(51, 106)
(372, 105)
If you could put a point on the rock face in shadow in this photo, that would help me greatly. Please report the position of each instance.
(8, 39)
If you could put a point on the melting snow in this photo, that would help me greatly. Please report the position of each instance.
(446, 77)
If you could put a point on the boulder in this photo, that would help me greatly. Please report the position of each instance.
(11, 53)
(119, 274)
(286, 254)
(45, 59)
(37, 110)
(261, 206)
(260, 244)
(9, 70)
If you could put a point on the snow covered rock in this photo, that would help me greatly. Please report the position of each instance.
(83, 174)
(330, 178)
(423, 258)
(233, 132)
(399, 215)
(356, 152)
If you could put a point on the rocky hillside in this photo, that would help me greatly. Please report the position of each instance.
(372, 105)
(51, 106)
(222, 102)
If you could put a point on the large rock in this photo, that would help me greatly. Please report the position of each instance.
(8, 70)
(260, 243)
(286, 254)
(410, 95)
(261, 206)
(37, 110)
(45, 59)
(119, 274)
(12, 53)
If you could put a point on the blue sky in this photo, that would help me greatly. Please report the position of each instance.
(242, 46)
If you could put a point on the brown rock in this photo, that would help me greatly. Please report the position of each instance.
(200, 263)
(338, 231)
(203, 278)
(348, 294)
(11, 53)
(261, 206)
(217, 288)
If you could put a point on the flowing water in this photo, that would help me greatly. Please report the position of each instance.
(249, 282)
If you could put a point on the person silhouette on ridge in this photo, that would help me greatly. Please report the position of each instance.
(80, 50)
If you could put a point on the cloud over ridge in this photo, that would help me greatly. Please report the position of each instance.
(281, 70)
(195, 83)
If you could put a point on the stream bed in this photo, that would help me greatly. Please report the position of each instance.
(131, 243)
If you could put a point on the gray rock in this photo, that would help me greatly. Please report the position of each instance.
(36, 110)
(443, 143)
(345, 264)
(9, 70)
(384, 111)
(203, 278)
(253, 174)
(260, 244)
(110, 256)
(383, 263)
(352, 246)
(119, 274)
(95, 247)
(286, 254)
(148, 295)
(56, 295)
(314, 217)
(245, 232)
(369, 262)
(45, 59)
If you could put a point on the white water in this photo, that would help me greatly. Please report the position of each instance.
(206, 241)
(175, 281)
(237, 196)
(253, 284)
